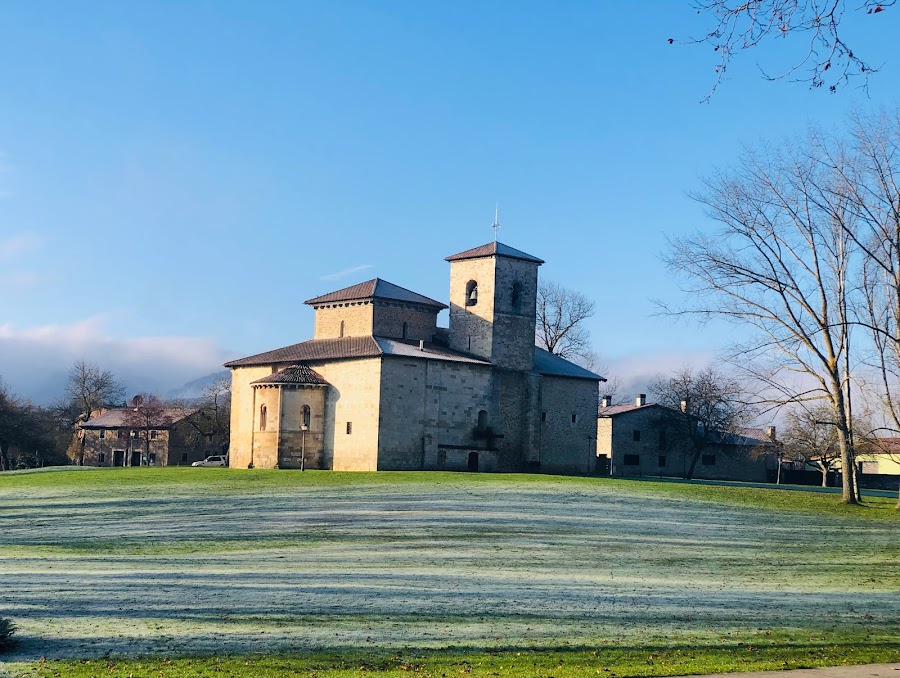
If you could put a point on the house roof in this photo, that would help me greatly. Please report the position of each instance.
(551, 365)
(353, 347)
(299, 375)
(117, 418)
(613, 410)
(375, 289)
(494, 249)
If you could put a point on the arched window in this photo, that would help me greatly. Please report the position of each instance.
(342, 329)
(262, 417)
(405, 329)
(482, 420)
(471, 293)
(304, 418)
(517, 296)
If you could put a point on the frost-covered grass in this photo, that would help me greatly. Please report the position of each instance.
(438, 570)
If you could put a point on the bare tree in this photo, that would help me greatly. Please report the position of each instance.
(89, 389)
(826, 60)
(811, 438)
(703, 408)
(560, 322)
(781, 264)
(148, 413)
(208, 418)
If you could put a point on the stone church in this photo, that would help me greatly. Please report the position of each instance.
(382, 387)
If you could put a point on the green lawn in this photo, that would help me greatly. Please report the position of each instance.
(267, 573)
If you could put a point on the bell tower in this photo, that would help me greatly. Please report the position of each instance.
(493, 296)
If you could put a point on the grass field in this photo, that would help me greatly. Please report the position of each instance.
(192, 572)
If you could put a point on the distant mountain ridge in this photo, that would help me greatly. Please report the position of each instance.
(196, 387)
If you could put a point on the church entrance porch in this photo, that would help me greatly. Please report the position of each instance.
(473, 462)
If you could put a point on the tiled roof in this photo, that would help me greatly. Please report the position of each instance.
(553, 366)
(494, 249)
(117, 418)
(613, 410)
(408, 349)
(316, 349)
(352, 347)
(301, 375)
(375, 289)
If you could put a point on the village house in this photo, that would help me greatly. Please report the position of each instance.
(115, 438)
(639, 440)
(381, 387)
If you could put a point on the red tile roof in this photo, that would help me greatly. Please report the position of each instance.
(494, 249)
(375, 289)
(299, 375)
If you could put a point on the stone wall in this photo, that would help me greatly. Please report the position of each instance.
(513, 331)
(471, 327)
(389, 316)
(568, 446)
(294, 443)
(429, 414)
(243, 413)
(356, 316)
(265, 440)
(101, 451)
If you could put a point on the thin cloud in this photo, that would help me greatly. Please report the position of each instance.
(346, 272)
(19, 244)
(20, 280)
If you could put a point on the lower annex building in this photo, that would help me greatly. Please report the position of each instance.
(382, 387)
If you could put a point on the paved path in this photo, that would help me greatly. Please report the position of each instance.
(862, 671)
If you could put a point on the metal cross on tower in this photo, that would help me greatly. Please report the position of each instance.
(496, 225)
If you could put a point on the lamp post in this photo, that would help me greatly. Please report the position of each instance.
(303, 430)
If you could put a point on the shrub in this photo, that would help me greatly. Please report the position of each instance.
(7, 629)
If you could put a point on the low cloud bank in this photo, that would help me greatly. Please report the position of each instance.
(34, 361)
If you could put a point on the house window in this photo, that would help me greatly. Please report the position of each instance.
(662, 460)
(183, 457)
(632, 460)
(708, 460)
(304, 417)
(120, 434)
(471, 293)
(102, 457)
(517, 296)
(405, 329)
(662, 440)
(342, 329)
(135, 433)
(636, 436)
(574, 418)
(152, 459)
(153, 435)
(262, 417)
(482, 420)
(102, 433)
(349, 427)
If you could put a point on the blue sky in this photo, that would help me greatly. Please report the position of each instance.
(176, 178)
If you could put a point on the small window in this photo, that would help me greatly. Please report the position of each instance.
(517, 296)
(152, 458)
(662, 441)
(262, 417)
(482, 420)
(662, 460)
(543, 416)
(405, 330)
(102, 433)
(102, 457)
(471, 293)
(135, 433)
(574, 418)
(708, 460)
(636, 436)
(120, 434)
(349, 427)
(304, 417)
(342, 329)
(153, 435)
(184, 456)
(632, 460)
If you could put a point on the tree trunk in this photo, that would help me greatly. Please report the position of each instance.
(824, 477)
(4, 463)
(694, 460)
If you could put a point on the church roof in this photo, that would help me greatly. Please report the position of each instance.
(551, 365)
(494, 249)
(297, 375)
(375, 289)
(353, 347)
